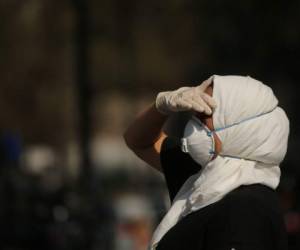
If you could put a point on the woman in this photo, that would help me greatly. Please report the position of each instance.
(223, 171)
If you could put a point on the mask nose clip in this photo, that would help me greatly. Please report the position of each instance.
(184, 146)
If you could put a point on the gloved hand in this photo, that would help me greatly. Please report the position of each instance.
(186, 98)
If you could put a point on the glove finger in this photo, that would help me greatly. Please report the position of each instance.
(197, 106)
(207, 108)
(209, 100)
(204, 107)
(183, 105)
(203, 86)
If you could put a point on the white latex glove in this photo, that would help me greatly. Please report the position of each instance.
(186, 98)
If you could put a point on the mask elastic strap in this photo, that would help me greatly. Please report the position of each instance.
(237, 123)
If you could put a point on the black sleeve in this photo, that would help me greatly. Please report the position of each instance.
(177, 166)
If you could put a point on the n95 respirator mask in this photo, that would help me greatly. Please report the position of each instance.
(198, 141)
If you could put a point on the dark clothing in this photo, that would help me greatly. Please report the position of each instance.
(247, 218)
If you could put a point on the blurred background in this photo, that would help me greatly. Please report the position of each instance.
(75, 73)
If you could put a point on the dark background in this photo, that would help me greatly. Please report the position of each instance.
(73, 74)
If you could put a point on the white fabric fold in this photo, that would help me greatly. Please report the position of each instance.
(251, 150)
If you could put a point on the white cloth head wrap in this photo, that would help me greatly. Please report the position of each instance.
(254, 134)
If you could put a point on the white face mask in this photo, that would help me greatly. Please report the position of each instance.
(198, 141)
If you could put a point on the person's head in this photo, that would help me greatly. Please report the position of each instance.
(247, 123)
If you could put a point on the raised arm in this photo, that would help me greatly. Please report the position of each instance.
(145, 136)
